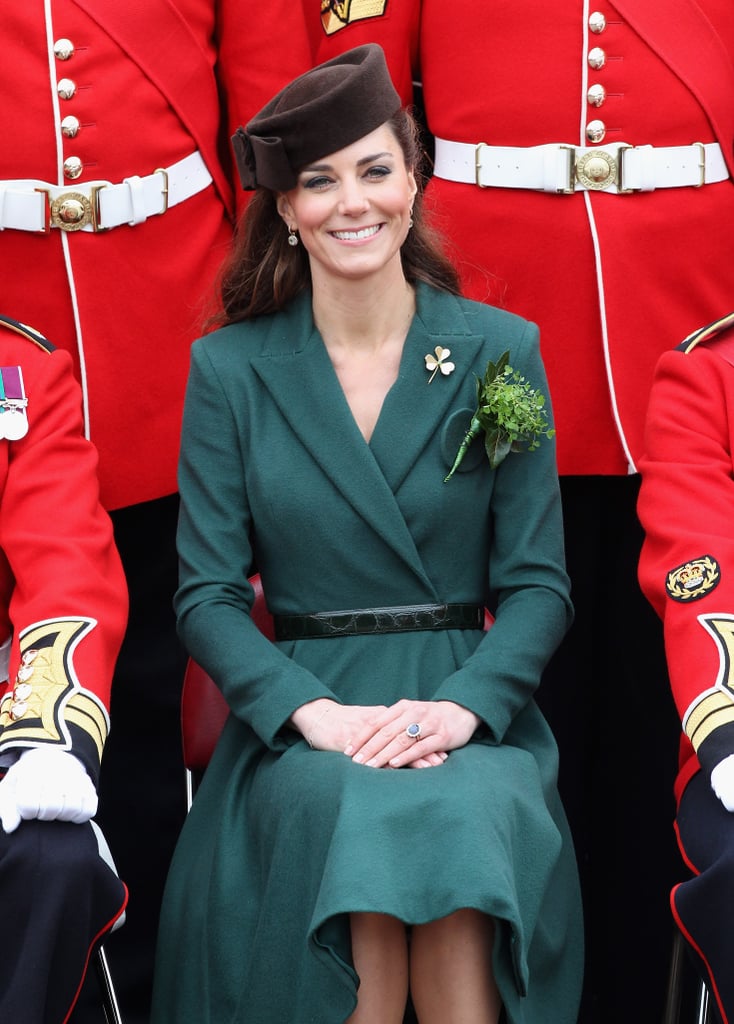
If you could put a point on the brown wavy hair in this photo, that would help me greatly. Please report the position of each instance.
(262, 273)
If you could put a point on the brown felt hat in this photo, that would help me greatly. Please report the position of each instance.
(320, 112)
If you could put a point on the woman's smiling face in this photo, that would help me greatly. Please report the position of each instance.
(352, 209)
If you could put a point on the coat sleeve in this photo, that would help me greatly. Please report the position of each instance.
(215, 544)
(686, 566)
(68, 597)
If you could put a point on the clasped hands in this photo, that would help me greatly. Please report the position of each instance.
(48, 784)
(375, 735)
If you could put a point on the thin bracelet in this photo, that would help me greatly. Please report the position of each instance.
(314, 727)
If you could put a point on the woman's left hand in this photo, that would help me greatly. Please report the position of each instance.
(386, 742)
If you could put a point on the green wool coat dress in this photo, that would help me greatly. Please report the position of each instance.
(283, 841)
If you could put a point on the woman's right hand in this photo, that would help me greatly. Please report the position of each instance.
(327, 725)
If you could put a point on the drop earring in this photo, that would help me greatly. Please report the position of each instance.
(292, 236)
(410, 219)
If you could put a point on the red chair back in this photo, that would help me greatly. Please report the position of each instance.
(203, 708)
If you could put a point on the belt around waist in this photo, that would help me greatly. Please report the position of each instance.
(619, 169)
(397, 619)
(31, 205)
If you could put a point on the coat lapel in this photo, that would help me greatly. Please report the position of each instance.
(297, 372)
(687, 41)
(414, 410)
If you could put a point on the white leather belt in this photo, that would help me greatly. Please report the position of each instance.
(29, 205)
(565, 169)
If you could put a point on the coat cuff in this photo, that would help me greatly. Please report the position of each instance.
(47, 705)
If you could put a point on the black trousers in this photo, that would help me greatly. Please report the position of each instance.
(607, 698)
(142, 785)
(704, 902)
(58, 897)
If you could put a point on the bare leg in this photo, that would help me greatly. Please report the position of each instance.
(451, 970)
(380, 954)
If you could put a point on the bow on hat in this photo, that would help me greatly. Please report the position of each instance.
(251, 151)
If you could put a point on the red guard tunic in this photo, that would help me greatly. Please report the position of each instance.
(63, 609)
(686, 506)
(613, 280)
(63, 599)
(102, 91)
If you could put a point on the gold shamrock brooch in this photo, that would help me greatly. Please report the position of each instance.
(438, 362)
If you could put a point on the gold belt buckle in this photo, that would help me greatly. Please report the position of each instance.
(72, 211)
(597, 170)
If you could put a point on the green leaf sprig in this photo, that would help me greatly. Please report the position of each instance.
(509, 411)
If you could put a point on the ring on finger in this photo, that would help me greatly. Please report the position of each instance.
(413, 731)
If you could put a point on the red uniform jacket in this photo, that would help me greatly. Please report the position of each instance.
(152, 81)
(686, 506)
(63, 599)
(612, 280)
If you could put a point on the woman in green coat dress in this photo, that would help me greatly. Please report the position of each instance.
(380, 821)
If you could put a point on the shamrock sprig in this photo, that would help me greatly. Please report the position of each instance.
(509, 411)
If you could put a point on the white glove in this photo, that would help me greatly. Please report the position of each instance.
(722, 781)
(48, 784)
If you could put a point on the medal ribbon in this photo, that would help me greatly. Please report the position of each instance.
(11, 383)
(14, 419)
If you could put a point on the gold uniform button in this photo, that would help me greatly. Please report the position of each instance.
(70, 126)
(73, 167)
(595, 131)
(595, 96)
(597, 58)
(66, 88)
(63, 49)
(597, 22)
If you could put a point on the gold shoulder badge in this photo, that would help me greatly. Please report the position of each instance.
(337, 14)
(694, 579)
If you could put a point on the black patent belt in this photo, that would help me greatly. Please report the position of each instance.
(399, 619)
